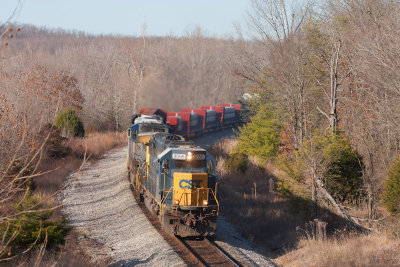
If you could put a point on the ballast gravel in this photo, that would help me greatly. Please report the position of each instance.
(98, 203)
(229, 239)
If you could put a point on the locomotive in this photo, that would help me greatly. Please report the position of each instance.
(175, 179)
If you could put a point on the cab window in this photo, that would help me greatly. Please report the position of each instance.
(179, 164)
(165, 166)
(211, 167)
(197, 164)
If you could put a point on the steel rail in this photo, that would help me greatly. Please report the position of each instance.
(223, 252)
(211, 245)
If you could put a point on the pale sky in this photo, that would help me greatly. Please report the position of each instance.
(126, 17)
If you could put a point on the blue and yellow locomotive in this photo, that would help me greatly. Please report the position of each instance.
(175, 179)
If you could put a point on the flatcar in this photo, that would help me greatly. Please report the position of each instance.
(175, 179)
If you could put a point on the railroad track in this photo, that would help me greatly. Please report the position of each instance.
(208, 253)
(194, 251)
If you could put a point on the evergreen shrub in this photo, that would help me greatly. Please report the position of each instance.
(69, 123)
(391, 190)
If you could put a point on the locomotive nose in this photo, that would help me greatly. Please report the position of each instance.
(190, 189)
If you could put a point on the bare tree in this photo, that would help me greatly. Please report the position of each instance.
(283, 75)
(278, 20)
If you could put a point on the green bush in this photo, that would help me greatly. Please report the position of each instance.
(338, 164)
(344, 176)
(69, 123)
(391, 190)
(260, 137)
(32, 227)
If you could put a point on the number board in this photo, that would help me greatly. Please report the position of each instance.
(179, 156)
(196, 156)
(199, 156)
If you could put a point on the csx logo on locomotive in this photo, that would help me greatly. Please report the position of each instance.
(189, 183)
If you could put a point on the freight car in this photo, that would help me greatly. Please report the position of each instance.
(174, 178)
(193, 122)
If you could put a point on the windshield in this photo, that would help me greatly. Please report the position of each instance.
(179, 164)
(150, 129)
(192, 164)
(197, 164)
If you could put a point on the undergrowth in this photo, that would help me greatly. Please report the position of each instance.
(32, 226)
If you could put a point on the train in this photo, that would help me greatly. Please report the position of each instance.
(193, 122)
(177, 180)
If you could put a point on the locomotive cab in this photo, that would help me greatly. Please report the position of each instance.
(188, 188)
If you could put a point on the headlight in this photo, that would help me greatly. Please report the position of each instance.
(205, 202)
(189, 155)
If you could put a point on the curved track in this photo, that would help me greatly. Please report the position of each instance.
(193, 251)
(208, 253)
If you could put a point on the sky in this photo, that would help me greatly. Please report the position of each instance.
(127, 17)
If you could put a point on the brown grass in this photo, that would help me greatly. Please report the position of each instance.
(96, 144)
(351, 250)
(224, 147)
(52, 181)
(268, 219)
(263, 217)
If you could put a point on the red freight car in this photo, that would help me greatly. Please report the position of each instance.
(193, 122)
(175, 122)
(228, 115)
(210, 119)
(237, 107)
(218, 112)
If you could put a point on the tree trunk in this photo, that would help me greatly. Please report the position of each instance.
(314, 193)
(333, 120)
(339, 209)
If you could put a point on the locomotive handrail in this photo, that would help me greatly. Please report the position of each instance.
(191, 191)
(198, 194)
(137, 173)
(163, 200)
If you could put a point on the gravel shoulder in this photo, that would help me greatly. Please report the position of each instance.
(228, 238)
(99, 204)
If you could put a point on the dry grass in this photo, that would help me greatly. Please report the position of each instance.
(223, 147)
(59, 169)
(273, 223)
(263, 217)
(96, 144)
(352, 250)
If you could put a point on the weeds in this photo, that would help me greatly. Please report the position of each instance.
(96, 144)
(345, 250)
(31, 226)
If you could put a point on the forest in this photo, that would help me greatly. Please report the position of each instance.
(321, 113)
